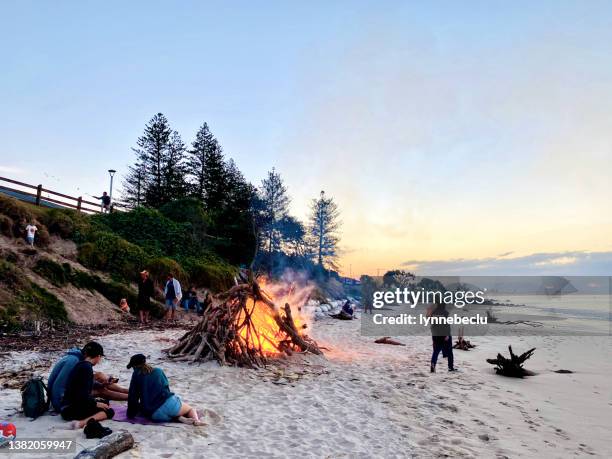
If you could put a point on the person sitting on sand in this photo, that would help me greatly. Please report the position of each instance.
(78, 403)
(150, 395)
(348, 309)
(123, 304)
(441, 338)
(104, 386)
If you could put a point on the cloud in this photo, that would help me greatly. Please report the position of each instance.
(11, 170)
(577, 263)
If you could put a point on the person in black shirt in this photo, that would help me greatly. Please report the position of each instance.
(145, 292)
(441, 337)
(78, 404)
(106, 201)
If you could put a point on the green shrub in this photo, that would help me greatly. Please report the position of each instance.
(6, 225)
(66, 223)
(160, 267)
(210, 273)
(55, 273)
(109, 252)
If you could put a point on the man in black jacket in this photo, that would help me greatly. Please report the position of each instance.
(78, 403)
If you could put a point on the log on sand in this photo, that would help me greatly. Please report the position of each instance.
(388, 340)
(109, 446)
(513, 366)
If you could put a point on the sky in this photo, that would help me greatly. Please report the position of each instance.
(449, 133)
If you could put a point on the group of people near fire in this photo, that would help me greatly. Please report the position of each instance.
(82, 396)
(173, 298)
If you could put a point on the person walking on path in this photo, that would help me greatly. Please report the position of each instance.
(173, 295)
(31, 233)
(145, 292)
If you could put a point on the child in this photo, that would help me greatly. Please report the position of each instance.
(30, 233)
(123, 304)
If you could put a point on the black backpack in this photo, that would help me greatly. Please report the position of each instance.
(34, 398)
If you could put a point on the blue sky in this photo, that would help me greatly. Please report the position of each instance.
(445, 130)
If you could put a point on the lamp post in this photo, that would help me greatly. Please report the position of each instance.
(111, 172)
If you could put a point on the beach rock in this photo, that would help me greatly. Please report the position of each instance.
(319, 316)
(318, 310)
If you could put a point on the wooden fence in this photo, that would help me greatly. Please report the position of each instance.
(41, 196)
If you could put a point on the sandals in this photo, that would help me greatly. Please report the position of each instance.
(94, 429)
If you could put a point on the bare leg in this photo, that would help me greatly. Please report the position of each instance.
(189, 415)
(110, 394)
(146, 317)
(117, 388)
(142, 315)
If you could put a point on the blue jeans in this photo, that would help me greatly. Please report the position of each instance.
(170, 304)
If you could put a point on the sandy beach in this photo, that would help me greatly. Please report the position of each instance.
(366, 400)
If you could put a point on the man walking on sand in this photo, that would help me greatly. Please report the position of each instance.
(173, 294)
(145, 292)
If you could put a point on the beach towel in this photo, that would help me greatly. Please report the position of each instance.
(121, 416)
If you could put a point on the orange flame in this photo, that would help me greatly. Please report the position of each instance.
(269, 336)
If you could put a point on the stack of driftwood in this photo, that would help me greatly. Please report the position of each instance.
(229, 334)
(513, 366)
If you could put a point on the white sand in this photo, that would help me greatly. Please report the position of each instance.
(369, 400)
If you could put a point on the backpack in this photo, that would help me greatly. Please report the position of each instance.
(34, 398)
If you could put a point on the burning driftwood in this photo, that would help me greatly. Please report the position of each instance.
(243, 330)
(463, 344)
(513, 366)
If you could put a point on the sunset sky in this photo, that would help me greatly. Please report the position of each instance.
(453, 135)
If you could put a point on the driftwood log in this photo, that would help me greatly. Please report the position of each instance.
(463, 344)
(109, 446)
(513, 366)
(388, 340)
(228, 333)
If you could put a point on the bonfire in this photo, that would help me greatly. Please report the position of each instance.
(245, 329)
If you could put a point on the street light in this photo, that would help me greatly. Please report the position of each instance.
(111, 172)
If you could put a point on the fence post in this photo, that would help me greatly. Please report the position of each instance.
(38, 194)
(79, 202)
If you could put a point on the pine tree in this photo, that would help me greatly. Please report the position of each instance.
(175, 169)
(275, 206)
(324, 225)
(145, 181)
(197, 156)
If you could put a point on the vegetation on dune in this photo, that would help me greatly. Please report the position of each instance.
(29, 300)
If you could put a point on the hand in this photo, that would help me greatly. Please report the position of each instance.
(446, 338)
(175, 301)
(104, 406)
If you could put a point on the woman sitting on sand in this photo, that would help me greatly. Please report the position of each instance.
(150, 395)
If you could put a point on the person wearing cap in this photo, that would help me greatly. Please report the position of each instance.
(150, 396)
(145, 292)
(78, 404)
(173, 294)
(104, 385)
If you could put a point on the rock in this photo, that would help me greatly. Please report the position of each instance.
(318, 310)
(319, 316)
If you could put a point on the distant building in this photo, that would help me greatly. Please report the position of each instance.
(349, 281)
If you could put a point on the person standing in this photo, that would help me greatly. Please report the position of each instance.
(145, 292)
(106, 202)
(31, 233)
(441, 338)
(173, 294)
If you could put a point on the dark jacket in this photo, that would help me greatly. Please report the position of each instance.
(58, 378)
(80, 384)
(440, 331)
(145, 291)
(147, 392)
